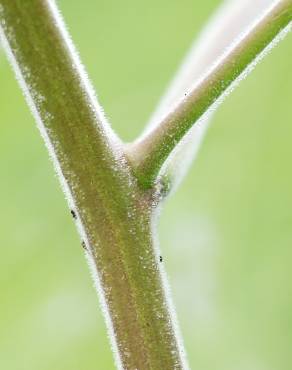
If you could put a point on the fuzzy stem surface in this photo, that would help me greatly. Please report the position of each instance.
(114, 217)
(150, 152)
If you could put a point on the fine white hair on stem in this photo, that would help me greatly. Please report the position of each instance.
(231, 19)
(168, 293)
(104, 124)
(64, 185)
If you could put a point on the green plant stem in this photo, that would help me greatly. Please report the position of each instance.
(227, 23)
(114, 216)
(150, 152)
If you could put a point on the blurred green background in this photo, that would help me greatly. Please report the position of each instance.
(225, 235)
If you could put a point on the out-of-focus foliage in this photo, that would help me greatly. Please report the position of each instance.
(225, 235)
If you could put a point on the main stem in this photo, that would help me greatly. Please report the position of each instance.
(114, 216)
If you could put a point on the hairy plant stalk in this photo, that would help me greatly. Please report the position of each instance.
(230, 20)
(150, 152)
(114, 216)
(113, 194)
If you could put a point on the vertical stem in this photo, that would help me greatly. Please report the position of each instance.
(113, 215)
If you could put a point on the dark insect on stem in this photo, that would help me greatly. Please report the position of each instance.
(73, 214)
(83, 245)
(160, 258)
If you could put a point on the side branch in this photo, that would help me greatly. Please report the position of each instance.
(150, 152)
